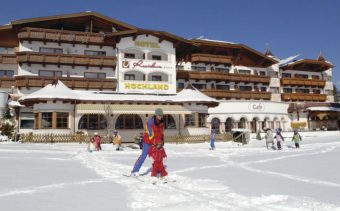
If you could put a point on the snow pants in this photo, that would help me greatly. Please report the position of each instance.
(278, 145)
(297, 146)
(141, 158)
(212, 143)
(158, 167)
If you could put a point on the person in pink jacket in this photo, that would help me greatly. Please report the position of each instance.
(97, 141)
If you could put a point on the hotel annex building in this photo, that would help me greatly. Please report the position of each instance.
(88, 72)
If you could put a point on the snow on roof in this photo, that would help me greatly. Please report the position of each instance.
(288, 60)
(216, 41)
(52, 91)
(14, 104)
(323, 108)
(61, 91)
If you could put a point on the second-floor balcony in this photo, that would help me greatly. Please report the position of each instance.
(220, 76)
(8, 59)
(303, 97)
(7, 82)
(60, 36)
(236, 94)
(65, 59)
(303, 82)
(209, 58)
(71, 82)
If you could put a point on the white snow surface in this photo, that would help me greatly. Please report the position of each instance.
(52, 177)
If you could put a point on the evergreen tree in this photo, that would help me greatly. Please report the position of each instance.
(8, 124)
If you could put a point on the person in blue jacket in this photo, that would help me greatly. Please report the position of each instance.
(212, 139)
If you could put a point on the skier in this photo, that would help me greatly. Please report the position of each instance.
(153, 135)
(157, 152)
(296, 139)
(97, 141)
(117, 140)
(269, 138)
(212, 139)
(279, 138)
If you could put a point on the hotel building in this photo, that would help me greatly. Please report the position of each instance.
(88, 72)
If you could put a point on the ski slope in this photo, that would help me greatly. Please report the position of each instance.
(233, 177)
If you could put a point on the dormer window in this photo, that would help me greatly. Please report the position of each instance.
(156, 57)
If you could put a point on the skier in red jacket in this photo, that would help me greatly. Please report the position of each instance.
(157, 152)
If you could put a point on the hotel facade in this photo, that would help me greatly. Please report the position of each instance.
(88, 72)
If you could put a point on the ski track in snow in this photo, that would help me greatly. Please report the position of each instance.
(203, 194)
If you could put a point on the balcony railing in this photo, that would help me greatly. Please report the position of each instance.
(220, 76)
(216, 93)
(303, 97)
(66, 59)
(303, 82)
(60, 36)
(72, 82)
(7, 82)
(208, 58)
(8, 59)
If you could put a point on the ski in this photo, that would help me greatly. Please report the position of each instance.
(131, 176)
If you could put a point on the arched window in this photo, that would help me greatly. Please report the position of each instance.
(92, 122)
(215, 124)
(229, 124)
(242, 123)
(129, 121)
(169, 122)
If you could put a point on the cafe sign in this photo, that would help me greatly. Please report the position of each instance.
(256, 107)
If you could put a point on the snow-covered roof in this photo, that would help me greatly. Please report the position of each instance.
(215, 40)
(52, 91)
(288, 60)
(14, 104)
(61, 91)
(323, 108)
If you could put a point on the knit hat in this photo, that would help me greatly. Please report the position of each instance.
(159, 111)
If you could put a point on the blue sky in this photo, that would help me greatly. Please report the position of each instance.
(289, 27)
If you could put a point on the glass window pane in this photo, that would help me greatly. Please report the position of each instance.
(46, 120)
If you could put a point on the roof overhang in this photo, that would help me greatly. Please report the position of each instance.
(308, 65)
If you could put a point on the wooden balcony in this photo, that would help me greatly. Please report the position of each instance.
(66, 59)
(7, 82)
(53, 35)
(209, 58)
(8, 59)
(72, 82)
(220, 76)
(303, 97)
(303, 82)
(220, 94)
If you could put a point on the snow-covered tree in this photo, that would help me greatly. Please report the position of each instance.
(8, 124)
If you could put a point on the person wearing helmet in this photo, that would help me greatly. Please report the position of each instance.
(153, 135)
(97, 141)
(117, 140)
(296, 139)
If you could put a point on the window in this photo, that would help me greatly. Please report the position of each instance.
(129, 121)
(245, 72)
(316, 91)
(169, 122)
(263, 89)
(201, 120)
(301, 76)
(51, 50)
(245, 88)
(198, 68)
(94, 75)
(6, 50)
(222, 69)
(180, 67)
(315, 77)
(156, 57)
(262, 73)
(92, 122)
(46, 120)
(200, 86)
(224, 87)
(94, 53)
(189, 120)
(50, 73)
(180, 85)
(62, 120)
(6, 73)
(274, 90)
(26, 120)
(286, 75)
(287, 90)
(129, 55)
(303, 91)
(129, 77)
(156, 78)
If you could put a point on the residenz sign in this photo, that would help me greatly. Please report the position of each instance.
(256, 107)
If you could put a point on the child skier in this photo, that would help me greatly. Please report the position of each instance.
(157, 152)
(117, 140)
(269, 138)
(296, 139)
(279, 138)
(212, 139)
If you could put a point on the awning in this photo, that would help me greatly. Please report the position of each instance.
(129, 109)
(323, 108)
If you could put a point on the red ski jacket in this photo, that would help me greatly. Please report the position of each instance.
(153, 132)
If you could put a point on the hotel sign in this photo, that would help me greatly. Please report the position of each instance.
(146, 44)
(145, 86)
(141, 64)
(256, 107)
